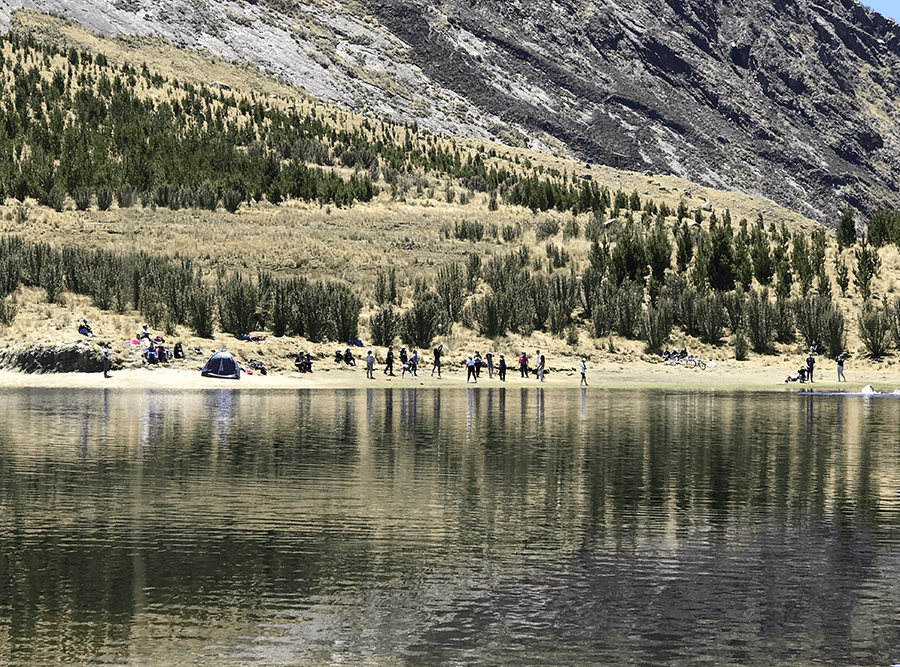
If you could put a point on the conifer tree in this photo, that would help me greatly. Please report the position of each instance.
(659, 257)
(800, 261)
(629, 257)
(684, 246)
(761, 254)
(720, 266)
(846, 229)
(868, 263)
(700, 271)
(743, 266)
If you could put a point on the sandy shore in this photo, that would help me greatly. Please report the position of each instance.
(638, 374)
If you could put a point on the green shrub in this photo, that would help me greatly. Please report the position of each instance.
(55, 198)
(511, 232)
(162, 197)
(538, 300)
(760, 321)
(629, 308)
(557, 256)
(237, 300)
(711, 318)
(490, 315)
(875, 329)
(104, 197)
(206, 197)
(846, 229)
(842, 274)
(82, 197)
(546, 228)
(784, 320)
(809, 316)
(418, 325)
(603, 310)
(733, 302)
(468, 230)
(450, 286)
(386, 287)
(657, 325)
(594, 227)
(895, 321)
(344, 308)
(126, 196)
(740, 346)
(833, 332)
(232, 200)
(202, 311)
(9, 308)
(868, 263)
(383, 326)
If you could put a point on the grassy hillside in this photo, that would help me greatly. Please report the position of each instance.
(145, 183)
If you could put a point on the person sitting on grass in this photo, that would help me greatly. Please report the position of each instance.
(85, 329)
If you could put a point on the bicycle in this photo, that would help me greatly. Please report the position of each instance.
(688, 362)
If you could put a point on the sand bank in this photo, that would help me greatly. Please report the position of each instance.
(728, 376)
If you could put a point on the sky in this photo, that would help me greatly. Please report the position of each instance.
(889, 8)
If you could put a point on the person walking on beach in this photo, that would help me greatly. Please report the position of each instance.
(437, 360)
(810, 364)
(583, 372)
(501, 368)
(370, 365)
(840, 367)
(523, 364)
(471, 371)
(540, 365)
(105, 353)
(389, 362)
(489, 359)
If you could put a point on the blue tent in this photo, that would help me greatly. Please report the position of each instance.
(222, 365)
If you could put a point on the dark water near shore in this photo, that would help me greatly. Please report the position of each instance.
(460, 527)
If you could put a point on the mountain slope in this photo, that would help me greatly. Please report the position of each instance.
(794, 100)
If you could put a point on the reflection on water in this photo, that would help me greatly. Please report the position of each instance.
(471, 526)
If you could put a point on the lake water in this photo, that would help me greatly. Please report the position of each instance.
(456, 527)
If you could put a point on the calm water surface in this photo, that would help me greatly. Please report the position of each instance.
(456, 527)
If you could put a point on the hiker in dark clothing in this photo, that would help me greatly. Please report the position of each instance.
(437, 360)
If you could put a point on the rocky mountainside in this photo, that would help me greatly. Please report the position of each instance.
(794, 100)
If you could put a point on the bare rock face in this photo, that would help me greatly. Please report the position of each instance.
(794, 100)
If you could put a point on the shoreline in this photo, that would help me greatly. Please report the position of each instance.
(725, 376)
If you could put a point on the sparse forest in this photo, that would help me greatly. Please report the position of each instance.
(79, 131)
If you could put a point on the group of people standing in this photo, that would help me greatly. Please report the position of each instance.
(806, 373)
(475, 364)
